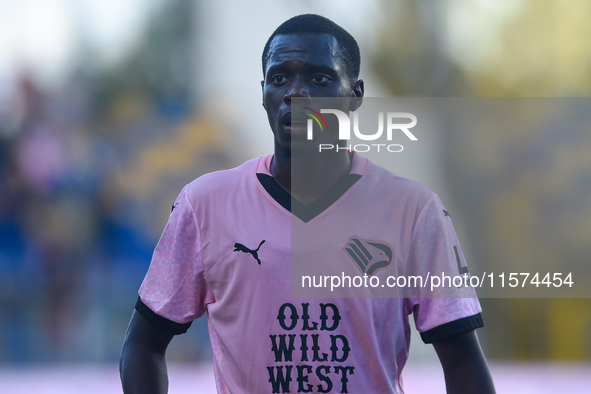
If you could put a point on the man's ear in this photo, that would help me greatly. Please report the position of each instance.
(357, 94)
(263, 89)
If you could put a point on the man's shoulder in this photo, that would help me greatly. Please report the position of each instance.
(390, 182)
(219, 183)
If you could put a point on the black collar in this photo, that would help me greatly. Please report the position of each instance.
(306, 212)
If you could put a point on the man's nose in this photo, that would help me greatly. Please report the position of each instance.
(297, 89)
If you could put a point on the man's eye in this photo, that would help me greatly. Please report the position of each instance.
(279, 79)
(320, 79)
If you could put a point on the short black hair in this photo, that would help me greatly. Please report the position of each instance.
(311, 23)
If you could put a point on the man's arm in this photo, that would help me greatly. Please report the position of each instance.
(143, 365)
(464, 365)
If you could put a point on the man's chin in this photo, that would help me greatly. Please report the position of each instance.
(298, 151)
(303, 147)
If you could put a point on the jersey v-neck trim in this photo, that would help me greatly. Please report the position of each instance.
(308, 212)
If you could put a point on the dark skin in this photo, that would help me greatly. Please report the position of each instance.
(464, 366)
(143, 358)
(310, 65)
(299, 66)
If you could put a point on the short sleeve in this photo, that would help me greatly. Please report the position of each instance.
(175, 290)
(435, 251)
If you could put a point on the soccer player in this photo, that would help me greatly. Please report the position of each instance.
(227, 250)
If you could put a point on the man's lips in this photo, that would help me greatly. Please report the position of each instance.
(293, 122)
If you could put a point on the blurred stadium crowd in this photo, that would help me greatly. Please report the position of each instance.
(80, 185)
(87, 172)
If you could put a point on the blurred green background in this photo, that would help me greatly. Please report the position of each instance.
(107, 108)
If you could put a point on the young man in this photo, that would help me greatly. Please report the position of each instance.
(227, 251)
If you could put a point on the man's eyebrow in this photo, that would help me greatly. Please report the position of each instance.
(276, 67)
(323, 68)
(311, 67)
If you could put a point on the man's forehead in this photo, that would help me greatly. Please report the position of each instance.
(296, 45)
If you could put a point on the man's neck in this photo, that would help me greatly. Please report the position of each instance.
(309, 177)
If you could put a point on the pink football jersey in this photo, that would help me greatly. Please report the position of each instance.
(227, 251)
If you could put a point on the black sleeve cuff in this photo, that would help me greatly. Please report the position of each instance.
(452, 328)
(168, 326)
